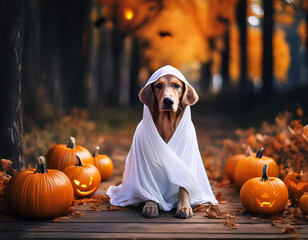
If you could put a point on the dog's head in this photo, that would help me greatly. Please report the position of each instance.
(169, 93)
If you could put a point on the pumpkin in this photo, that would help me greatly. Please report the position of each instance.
(232, 162)
(303, 203)
(85, 178)
(62, 156)
(266, 195)
(103, 163)
(39, 193)
(296, 184)
(250, 167)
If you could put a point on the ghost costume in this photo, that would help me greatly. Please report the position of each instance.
(154, 169)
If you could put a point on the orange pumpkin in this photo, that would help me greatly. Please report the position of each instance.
(303, 203)
(266, 195)
(62, 156)
(39, 193)
(250, 167)
(85, 178)
(296, 183)
(103, 163)
(232, 162)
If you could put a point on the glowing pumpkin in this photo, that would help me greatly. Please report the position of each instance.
(39, 193)
(250, 167)
(296, 184)
(232, 162)
(62, 156)
(266, 195)
(303, 203)
(85, 178)
(103, 163)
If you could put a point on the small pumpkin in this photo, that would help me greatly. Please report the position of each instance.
(266, 195)
(232, 162)
(39, 193)
(296, 183)
(250, 167)
(85, 178)
(62, 156)
(103, 163)
(303, 203)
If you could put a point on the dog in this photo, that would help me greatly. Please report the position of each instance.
(167, 99)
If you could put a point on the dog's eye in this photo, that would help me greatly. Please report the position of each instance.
(159, 86)
(176, 86)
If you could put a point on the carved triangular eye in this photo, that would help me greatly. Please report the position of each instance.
(276, 193)
(265, 195)
(76, 182)
(91, 180)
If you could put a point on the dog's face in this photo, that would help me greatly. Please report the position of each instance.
(168, 90)
(169, 93)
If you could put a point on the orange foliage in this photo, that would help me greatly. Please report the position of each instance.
(254, 52)
(235, 58)
(302, 32)
(282, 56)
(190, 24)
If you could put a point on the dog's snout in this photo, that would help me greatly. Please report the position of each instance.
(168, 102)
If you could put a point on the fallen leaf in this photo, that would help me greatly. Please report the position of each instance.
(213, 212)
(289, 230)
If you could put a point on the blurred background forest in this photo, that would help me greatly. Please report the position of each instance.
(79, 65)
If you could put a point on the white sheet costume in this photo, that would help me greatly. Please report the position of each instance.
(154, 169)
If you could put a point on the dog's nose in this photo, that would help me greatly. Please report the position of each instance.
(168, 102)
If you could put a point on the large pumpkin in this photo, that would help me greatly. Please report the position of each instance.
(103, 163)
(303, 203)
(250, 167)
(39, 193)
(232, 162)
(296, 183)
(62, 156)
(266, 195)
(85, 178)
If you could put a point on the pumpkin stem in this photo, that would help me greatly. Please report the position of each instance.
(41, 166)
(79, 161)
(260, 153)
(72, 143)
(248, 151)
(264, 172)
(95, 153)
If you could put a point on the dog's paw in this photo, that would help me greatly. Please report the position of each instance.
(150, 210)
(184, 212)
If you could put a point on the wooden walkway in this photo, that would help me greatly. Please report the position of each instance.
(130, 224)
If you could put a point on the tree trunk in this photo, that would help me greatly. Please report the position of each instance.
(11, 128)
(134, 72)
(225, 59)
(74, 21)
(205, 78)
(241, 19)
(267, 63)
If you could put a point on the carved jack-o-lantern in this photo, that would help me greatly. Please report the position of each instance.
(85, 178)
(266, 195)
(296, 184)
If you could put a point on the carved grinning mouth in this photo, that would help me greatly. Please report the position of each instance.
(263, 204)
(85, 192)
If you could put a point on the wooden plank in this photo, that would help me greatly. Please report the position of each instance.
(144, 227)
(67, 235)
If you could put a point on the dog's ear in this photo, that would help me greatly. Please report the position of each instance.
(146, 95)
(190, 96)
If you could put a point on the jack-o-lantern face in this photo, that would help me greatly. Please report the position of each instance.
(265, 199)
(296, 183)
(84, 178)
(265, 195)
